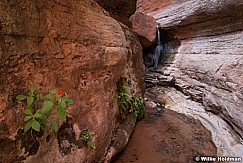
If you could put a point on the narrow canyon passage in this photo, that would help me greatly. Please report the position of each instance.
(178, 126)
(184, 56)
(198, 81)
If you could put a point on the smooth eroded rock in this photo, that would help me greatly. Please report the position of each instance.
(207, 66)
(73, 46)
(144, 26)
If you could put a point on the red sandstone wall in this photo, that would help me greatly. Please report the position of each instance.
(73, 46)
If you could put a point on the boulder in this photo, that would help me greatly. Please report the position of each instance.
(145, 27)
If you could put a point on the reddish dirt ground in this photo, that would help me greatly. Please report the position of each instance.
(167, 137)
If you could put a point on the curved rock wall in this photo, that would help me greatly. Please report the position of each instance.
(73, 46)
(208, 66)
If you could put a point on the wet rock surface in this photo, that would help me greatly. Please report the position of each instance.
(224, 136)
(190, 99)
(207, 67)
(164, 134)
(175, 125)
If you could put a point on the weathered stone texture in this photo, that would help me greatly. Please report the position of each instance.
(219, 70)
(223, 136)
(186, 13)
(208, 66)
(140, 24)
(192, 18)
(73, 46)
(155, 5)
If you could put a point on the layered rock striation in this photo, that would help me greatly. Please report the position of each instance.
(73, 46)
(207, 67)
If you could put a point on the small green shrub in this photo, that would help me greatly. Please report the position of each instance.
(130, 104)
(39, 108)
(124, 100)
(86, 136)
(137, 108)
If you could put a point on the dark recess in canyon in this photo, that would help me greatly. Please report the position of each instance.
(120, 10)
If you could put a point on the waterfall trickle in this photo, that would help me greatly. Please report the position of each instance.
(158, 50)
(158, 35)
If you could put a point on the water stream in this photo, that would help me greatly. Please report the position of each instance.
(161, 82)
(161, 65)
(158, 49)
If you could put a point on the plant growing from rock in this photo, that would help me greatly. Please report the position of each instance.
(86, 137)
(39, 108)
(124, 100)
(130, 104)
(137, 108)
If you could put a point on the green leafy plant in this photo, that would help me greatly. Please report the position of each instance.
(137, 108)
(86, 137)
(39, 108)
(124, 100)
(130, 104)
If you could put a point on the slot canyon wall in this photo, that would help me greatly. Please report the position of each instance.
(76, 47)
(207, 69)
